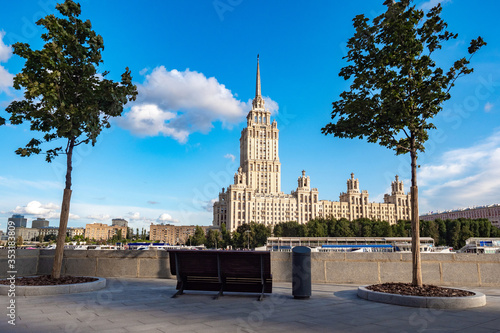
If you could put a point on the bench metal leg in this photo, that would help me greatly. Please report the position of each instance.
(221, 291)
(180, 291)
(219, 294)
(261, 297)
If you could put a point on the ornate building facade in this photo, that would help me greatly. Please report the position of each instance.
(256, 193)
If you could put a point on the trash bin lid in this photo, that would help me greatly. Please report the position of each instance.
(301, 250)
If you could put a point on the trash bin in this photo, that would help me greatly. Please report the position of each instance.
(301, 272)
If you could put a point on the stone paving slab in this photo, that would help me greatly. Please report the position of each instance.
(145, 305)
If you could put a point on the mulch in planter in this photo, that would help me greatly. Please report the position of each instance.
(46, 280)
(426, 290)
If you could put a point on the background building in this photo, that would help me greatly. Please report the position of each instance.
(256, 193)
(491, 212)
(18, 220)
(72, 232)
(27, 234)
(101, 231)
(119, 222)
(172, 234)
(39, 222)
(45, 231)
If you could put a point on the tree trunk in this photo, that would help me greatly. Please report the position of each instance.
(63, 221)
(415, 221)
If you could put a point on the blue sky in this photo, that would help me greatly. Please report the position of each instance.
(194, 63)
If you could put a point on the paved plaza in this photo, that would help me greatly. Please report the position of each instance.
(145, 305)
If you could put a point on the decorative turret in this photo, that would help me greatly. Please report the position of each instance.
(304, 181)
(240, 178)
(397, 187)
(352, 185)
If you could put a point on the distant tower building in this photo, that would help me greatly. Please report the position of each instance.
(399, 199)
(19, 221)
(119, 222)
(39, 223)
(256, 193)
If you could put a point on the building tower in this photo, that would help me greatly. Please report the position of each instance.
(255, 196)
(259, 159)
(399, 199)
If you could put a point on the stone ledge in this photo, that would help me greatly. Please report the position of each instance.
(478, 300)
(55, 290)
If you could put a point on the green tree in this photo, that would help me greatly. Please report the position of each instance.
(213, 239)
(251, 235)
(442, 232)
(64, 97)
(317, 228)
(454, 234)
(381, 229)
(341, 229)
(287, 229)
(49, 238)
(397, 87)
(199, 237)
(465, 233)
(261, 233)
(226, 237)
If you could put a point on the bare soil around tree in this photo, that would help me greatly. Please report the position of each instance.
(46, 280)
(426, 290)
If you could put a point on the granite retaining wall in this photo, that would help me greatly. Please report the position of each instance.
(446, 269)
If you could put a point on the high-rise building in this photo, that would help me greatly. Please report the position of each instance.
(119, 222)
(256, 193)
(19, 220)
(39, 223)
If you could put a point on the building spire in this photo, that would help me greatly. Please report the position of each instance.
(258, 102)
(257, 88)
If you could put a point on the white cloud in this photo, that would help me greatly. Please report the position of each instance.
(463, 177)
(488, 106)
(5, 51)
(5, 77)
(149, 120)
(37, 209)
(177, 103)
(230, 156)
(432, 3)
(134, 216)
(166, 218)
(99, 217)
(5, 80)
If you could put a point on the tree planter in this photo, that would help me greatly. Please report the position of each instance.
(465, 302)
(55, 289)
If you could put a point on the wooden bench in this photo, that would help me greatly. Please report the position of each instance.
(211, 270)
